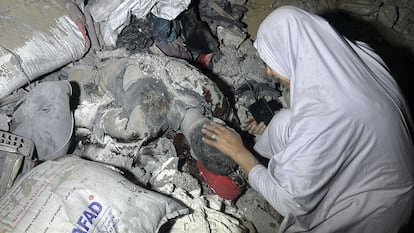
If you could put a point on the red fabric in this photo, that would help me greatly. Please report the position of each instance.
(203, 59)
(223, 186)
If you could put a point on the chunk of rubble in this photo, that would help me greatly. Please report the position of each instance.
(231, 36)
(202, 217)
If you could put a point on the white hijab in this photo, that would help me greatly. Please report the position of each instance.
(346, 115)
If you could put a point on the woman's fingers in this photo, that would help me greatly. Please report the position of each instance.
(209, 141)
(256, 128)
(253, 127)
(211, 131)
(249, 120)
(250, 124)
(260, 128)
(223, 138)
(229, 142)
(214, 127)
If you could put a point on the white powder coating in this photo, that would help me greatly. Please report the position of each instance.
(204, 219)
(41, 37)
(67, 196)
(69, 44)
(115, 99)
(236, 66)
(156, 162)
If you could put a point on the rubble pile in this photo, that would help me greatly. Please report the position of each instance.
(394, 19)
(131, 103)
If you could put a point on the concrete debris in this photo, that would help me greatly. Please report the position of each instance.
(395, 19)
(221, 13)
(231, 36)
(5, 120)
(204, 218)
(254, 209)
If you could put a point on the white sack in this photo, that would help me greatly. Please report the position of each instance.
(76, 195)
(38, 37)
(114, 15)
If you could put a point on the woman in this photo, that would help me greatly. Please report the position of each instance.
(341, 156)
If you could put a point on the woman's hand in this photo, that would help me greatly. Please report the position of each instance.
(229, 142)
(225, 139)
(252, 127)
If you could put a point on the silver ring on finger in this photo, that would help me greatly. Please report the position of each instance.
(213, 136)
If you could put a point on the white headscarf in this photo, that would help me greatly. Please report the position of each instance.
(347, 124)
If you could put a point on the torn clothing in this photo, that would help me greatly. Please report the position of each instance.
(112, 16)
(341, 157)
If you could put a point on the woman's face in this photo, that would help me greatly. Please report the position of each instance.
(284, 81)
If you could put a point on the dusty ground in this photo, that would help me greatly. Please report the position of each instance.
(257, 11)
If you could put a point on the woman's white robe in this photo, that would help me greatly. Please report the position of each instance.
(341, 156)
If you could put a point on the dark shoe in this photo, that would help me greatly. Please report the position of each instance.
(197, 34)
